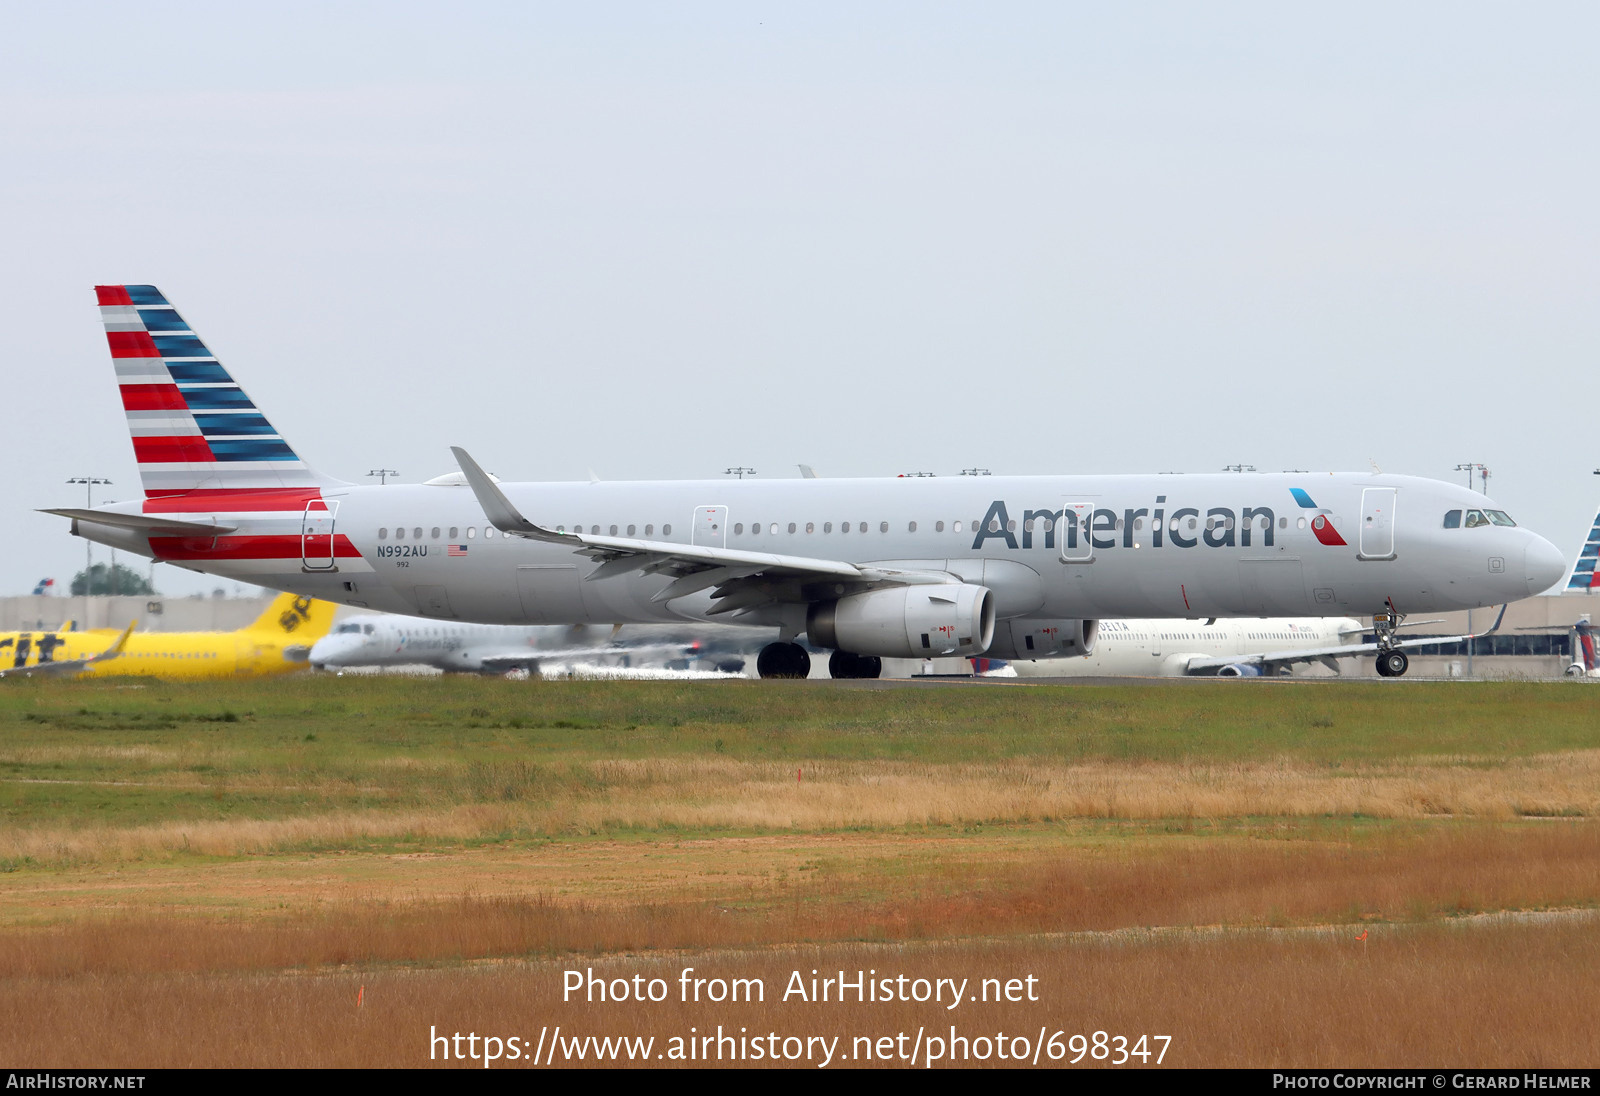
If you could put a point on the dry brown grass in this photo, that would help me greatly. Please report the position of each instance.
(856, 892)
(1470, 996)
(713, 794)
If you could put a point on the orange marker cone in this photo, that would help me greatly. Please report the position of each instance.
(1363, 936)
(360, 993)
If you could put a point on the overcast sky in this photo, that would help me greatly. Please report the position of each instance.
(656, 240)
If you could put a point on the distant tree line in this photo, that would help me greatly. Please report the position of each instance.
(101, 579)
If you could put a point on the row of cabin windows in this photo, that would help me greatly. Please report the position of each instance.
(1477, 518)
(1036, 524)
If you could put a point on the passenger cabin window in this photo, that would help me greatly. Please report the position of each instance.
(1452, 519)
(383, 532)
(472, 531)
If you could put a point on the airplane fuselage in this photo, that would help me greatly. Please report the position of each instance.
(1292, 544)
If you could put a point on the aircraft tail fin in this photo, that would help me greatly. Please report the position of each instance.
(193, 427)
(1584, 578)
(304, 618)
(1584, 646)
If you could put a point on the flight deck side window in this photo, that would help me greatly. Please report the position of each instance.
(1475, 518)
(1452, 519)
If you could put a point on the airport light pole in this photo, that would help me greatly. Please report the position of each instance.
(88, 545)
(740, 471)
(383, 474)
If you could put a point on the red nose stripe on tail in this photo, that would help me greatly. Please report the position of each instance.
(152, 397)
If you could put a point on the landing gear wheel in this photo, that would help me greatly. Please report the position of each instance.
(843, 665)
(783, 660)
(1392, 663)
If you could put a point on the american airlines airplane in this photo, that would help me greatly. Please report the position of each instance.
(1015, 567)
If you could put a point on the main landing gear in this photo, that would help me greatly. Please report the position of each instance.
(783, 660)
(1392, 661)
(843, 664)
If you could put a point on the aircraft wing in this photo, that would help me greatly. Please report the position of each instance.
(73, 665)
(743, 579)
(1200, 665)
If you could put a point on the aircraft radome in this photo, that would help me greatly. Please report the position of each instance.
(870, 568)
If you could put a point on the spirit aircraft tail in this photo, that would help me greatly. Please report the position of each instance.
(193, 427)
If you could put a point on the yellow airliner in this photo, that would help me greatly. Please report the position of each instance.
(278, 642)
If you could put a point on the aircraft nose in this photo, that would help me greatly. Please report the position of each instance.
(1544, 565)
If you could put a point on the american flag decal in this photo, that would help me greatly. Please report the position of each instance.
(455, 550)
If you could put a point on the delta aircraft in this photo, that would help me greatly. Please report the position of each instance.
(277, 642)
(869, 568)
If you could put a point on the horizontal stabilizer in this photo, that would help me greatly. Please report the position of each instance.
(144, 522)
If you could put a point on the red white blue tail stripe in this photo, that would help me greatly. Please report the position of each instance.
(193, 427)
(1583, 579)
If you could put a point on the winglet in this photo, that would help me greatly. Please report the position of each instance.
(1493, 628)
(115, 649)
(498, 509)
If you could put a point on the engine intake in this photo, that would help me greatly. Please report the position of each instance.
(907, 621)
(1021, 640)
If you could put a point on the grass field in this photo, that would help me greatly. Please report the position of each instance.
(208, 873)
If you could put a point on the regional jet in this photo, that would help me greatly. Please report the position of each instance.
(872, 568)
(386, 640)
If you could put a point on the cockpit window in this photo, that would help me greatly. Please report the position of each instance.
(1452, 519)
(1475, 518)
(367, 628)
(1500, 517)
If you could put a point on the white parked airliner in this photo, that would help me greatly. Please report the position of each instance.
(870, 568)
(384, 639)
(1240, 647)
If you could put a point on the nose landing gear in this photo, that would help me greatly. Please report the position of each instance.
(1392, 661)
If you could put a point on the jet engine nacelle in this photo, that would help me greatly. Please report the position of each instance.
(907, 621)
(1033, 639)
(1239, 669)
